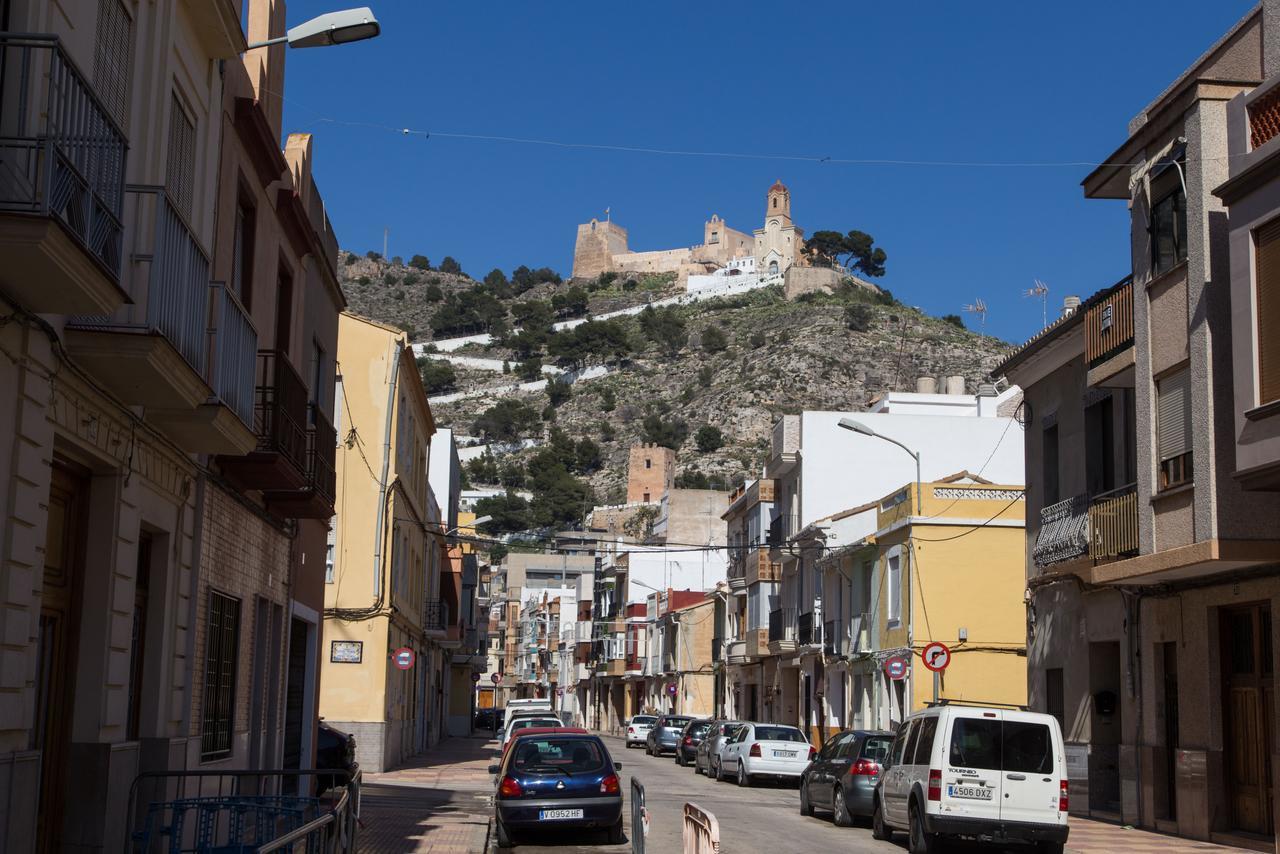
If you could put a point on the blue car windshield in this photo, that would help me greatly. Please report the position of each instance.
(554, 754)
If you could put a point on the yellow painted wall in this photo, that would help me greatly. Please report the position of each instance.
(961, 577)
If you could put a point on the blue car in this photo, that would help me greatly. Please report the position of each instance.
(557, 780)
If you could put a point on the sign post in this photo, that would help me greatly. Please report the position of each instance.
(936, 657)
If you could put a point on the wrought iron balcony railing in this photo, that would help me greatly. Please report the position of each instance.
(281, 411)
(782, 624)
(435, 615)
(804, 629)
(235, 352)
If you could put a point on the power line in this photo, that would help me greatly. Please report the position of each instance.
(1018, 497)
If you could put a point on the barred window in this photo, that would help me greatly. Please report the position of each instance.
(220, 660)
(111, 59)
(180, 166)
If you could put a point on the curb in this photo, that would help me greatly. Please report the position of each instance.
(490, 844)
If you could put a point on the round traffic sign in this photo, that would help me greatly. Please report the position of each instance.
(559, 692)
(403, 658)
(896, 667)
(496, 678)
(671, 689)
(475, 677)
(936, 656)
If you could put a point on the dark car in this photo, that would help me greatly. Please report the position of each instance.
(707, 755)
(665, 734)
(557, 779)
(842, 777)
(490, 718)
(335, 750)
(693, 734)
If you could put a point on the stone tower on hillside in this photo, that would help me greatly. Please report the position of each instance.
(651, 472)
(595, 247)
(780, 243)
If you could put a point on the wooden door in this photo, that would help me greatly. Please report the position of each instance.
(1247, 715)
(56, 651)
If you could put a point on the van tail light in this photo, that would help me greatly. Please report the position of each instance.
(1063, 798)
(755, 750)
(813, 753)
(935, 784)
(864, 768)
(509, 788)
(609, 785)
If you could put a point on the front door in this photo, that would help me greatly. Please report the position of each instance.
(60, 600)
(295, 695)
(1247, 715)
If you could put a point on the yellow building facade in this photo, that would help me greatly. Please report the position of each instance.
(388, 554)
(950, 569)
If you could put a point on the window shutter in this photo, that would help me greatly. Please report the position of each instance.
(1268, 312)
(180, 165)
(1174, 414)
(111, 59)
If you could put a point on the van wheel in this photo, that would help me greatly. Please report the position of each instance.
(840, 810)
(504, 838)
(920, 842)
(879, 830)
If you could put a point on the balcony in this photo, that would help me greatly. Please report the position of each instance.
(1113, 524)
(62, 166)
(759, 568)
(281, 459)
(782, 630)
(804, 629)
(315, 499)
(757, 643)
(784, 449)
(435, 616)
(1108, 338)
(832, 641)
(1064, 532)
(737, 571)
(736, 652)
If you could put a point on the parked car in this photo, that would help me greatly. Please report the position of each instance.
(707, 757)
(972, 771)
(557, 779)
(638, 729)
(515, 725)
(526, 712)
(335, 750)
(665, 734)
(843, 776)
(692, 735)
(490, 718)
(765, 750)
(543, 703)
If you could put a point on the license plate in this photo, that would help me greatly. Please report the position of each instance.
(976, 793)
(553, 815)
(785, 754)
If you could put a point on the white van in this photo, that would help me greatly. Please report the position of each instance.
(541, 704)
(995, 774)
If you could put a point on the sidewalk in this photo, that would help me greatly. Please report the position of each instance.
(1097, 837)
(438, 802)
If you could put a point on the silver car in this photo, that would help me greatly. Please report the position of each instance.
(707, 757)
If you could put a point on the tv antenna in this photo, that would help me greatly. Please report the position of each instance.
(979, 308)
(1040, 290)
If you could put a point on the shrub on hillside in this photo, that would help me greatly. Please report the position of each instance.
(858, 317)
(420, 262)
(708, 439)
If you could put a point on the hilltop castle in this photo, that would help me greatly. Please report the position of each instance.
(775, 247)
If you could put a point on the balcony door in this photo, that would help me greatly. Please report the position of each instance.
(1248, 710)
(57, 653)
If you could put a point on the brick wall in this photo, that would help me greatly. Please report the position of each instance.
(652, 480)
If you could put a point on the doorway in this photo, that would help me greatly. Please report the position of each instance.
(57, 647)
(295, 696)
(1247, 714)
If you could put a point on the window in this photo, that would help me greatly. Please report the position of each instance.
(284, 309)
(138, 648)
(180, 168)
(924, 741)
(111, 59)
(646, 497)
(1050, 462)
(1100, 450)
(1268, 311)
(242, 252)
(715, 237)
(1168, 220)
(1027, 747)
(773, 268)
(975, 743)
(222, 641)
(1173, 413)
(648, 463)
(893, 580)
(876, 748)
(317, 375)
(900, 742)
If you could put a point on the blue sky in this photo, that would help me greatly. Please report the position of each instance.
(991, 81)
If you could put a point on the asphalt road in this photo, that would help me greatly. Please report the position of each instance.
(765, 818)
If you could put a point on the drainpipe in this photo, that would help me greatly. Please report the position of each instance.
(386, 464)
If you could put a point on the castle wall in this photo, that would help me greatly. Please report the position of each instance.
(659, 261)
(597, 244)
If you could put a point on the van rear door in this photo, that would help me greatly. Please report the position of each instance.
(1033, 768)
(971, 776)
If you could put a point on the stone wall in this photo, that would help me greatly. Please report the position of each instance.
(595, 247)
(649, 482)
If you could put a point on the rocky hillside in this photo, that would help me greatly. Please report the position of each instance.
(712, 376)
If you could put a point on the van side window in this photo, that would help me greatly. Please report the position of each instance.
(908, 755)
(899, 743)
(975, 743)
(1028, 748)
(924, 740)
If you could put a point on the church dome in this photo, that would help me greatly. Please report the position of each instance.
(778, 187)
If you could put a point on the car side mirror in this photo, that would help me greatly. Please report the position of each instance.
(493, 769)
(617, 766)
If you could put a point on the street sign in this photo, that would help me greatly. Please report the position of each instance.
(496, 678)
(475, 677)
(896, 668)
(671, 689)
(403, 658)
(559, 692)
(936, 656)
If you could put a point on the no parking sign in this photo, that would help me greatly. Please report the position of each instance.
(896, 668)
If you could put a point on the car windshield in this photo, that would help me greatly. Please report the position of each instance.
(526, 723)
(647, 720)
(558, 754)
(778, 733)
(699, 728)
(729, 729)
(876, 748)
(676, 723)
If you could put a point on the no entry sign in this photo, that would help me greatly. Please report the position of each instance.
(496, 678)
(403, 658)
(936, 656)
(671, 689)
(896, 667)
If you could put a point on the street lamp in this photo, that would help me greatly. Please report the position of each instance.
(331, 28)
(859, 427)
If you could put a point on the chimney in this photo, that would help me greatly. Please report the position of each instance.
(926, 385)
(955, 384)
(987, 390)
(1070, 305)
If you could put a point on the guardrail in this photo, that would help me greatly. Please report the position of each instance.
(639, 817)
